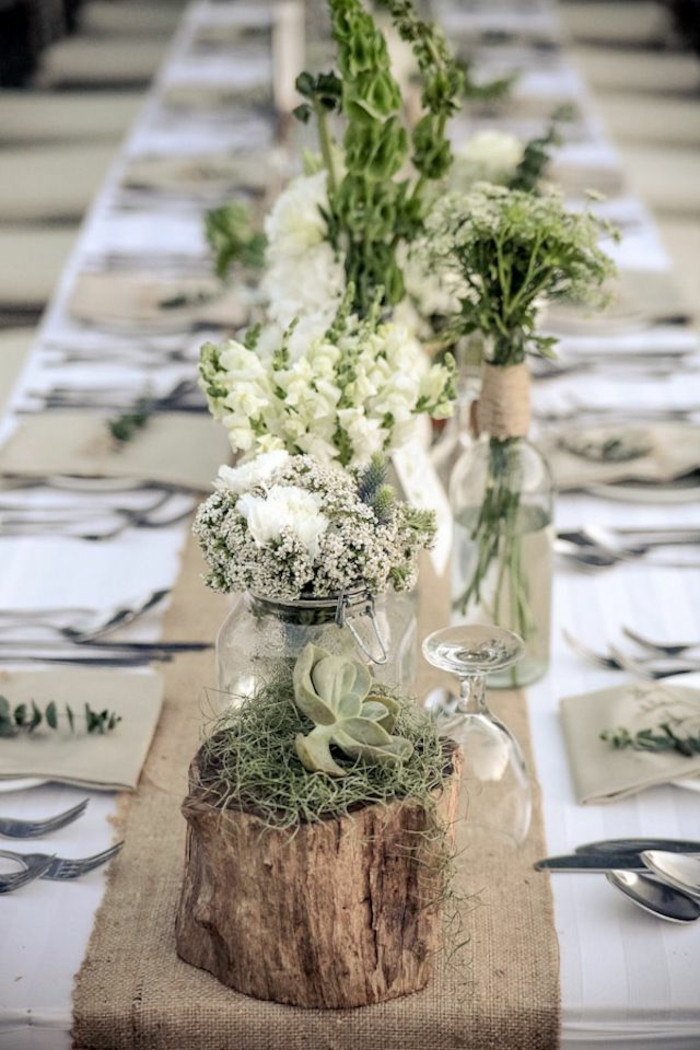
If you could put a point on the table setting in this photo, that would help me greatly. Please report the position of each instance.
(349, 623)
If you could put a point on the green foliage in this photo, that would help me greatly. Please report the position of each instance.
(538, 154)
(28, 717)
(334, 693)
(487, 91)
(233, 239)
(125, 427)
(665, 738)
(375, 206)
(251, 762)
(514, 249)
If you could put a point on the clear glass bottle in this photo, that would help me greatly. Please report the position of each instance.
(260, 633)
(502, 502)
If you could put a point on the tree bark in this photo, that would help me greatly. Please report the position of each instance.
(342, 913)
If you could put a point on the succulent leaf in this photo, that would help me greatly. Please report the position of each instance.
(333, 691)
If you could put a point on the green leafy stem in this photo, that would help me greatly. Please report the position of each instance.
(661, 738)
(498, 538)
(27, 717)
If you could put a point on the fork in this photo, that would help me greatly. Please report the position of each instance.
(34, 829)
(95, 625)
(615, 660)
(662, 648)
(9, 883)
(61, 869)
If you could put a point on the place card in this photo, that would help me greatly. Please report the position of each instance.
(109, 761)
(173, 448)
(422, 487)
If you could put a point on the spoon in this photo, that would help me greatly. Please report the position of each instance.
(677, 869)
(661, 900)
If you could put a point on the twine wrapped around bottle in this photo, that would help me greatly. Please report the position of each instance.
(503, 408)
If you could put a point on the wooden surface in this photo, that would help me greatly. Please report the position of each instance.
(342, 913)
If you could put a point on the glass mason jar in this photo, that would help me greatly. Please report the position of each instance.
(261, 633)
(502, 502)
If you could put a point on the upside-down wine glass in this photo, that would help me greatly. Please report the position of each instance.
(499, 798)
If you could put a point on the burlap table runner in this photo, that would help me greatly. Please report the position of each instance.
(133, 993)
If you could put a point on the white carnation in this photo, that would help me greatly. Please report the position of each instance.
(488, 156)
(295, 223)
(255, 472)
(285, 507)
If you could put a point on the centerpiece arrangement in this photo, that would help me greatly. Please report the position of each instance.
(314, 549)
(313, 878)
(514, 250)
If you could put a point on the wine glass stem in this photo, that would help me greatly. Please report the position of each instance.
(472, 694)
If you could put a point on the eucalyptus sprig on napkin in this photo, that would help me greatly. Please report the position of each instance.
(27, 717)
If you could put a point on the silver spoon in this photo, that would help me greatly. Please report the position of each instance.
(659, 899)
(677, 869)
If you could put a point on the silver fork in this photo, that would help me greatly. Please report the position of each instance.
(615, 660)
(35, 870)
(62, 868)
(34, 829)
(95, 624)
(662, 648)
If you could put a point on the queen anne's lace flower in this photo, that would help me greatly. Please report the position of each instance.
(308, 530)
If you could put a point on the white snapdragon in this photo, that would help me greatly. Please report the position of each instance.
(346, 396)
(284, 508)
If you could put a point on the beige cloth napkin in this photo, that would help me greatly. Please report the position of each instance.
(216, 96)
(601, 772)
(638, 298)
(172, 449)
(664, 451)
(109, 762)
(201, 175)
(164, 304)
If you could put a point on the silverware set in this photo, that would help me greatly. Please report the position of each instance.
(184, 396)
(93, 522)
(79, 636)
(598, 547)
(662, 876)
(652, 662)
(33, 866)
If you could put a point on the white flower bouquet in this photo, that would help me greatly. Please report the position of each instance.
(344, 395)
(288, 527)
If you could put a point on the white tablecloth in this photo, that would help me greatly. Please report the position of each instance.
(627, 980)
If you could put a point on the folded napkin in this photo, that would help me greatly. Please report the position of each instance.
(203, 175)
(216, 96)
(602, 772)
(583, 456)
(638, 298)
(164, 304)
(109, 762)
(172, 449)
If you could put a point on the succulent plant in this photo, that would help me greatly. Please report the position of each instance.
(335, 693)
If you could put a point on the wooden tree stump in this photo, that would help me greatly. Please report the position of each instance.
(343, 913)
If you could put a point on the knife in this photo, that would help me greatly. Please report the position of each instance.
(637, 845)
(594, 862)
